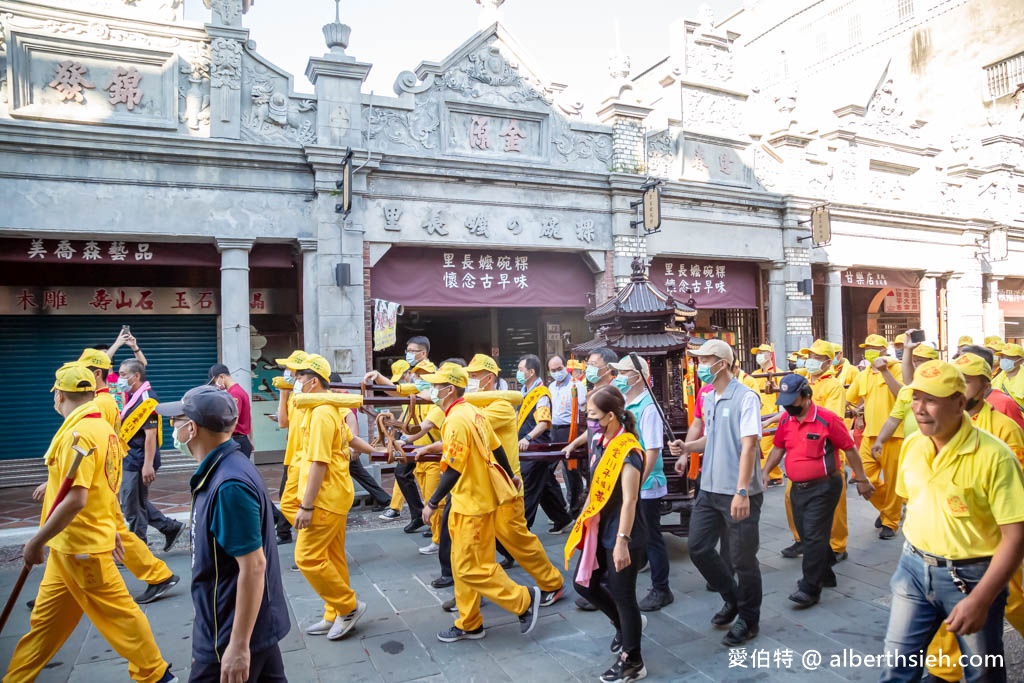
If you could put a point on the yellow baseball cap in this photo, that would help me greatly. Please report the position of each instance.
(938, 378)
(424, 366)
(292, 362)
(926, 350)
(973, 365)
(994, 343)
(316, 363)
(900, 339)
(399, 368)
(820, 347)
(875, 340)
(965, 340)
(481, 362)
(73, 378)
(1011, 351)
(449, 373)
(793, 357)
(763, 348)
(94, 358)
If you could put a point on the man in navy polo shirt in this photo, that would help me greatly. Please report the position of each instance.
(240, 608)
(810, 438)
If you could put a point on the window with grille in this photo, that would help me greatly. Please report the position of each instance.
(744, 323)
(904, 10)
(1003, 78)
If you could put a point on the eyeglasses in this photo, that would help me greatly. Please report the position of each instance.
(177, 421)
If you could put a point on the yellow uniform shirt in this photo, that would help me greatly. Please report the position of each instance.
(846, 373)
(502, 417)
(325, 439)
(768, 405)
(878, 400)
(93, 528)
(108, 409)
(1013, 387)
(435, 416)
(1001, 427)
(959, 497)
(293, 445)
(828, 393)
(901, 411)
(468, 441)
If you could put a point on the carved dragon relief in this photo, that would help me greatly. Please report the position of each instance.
(269, 114)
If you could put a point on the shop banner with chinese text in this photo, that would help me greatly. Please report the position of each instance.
(54, 300)
(712, 284)
(875, 278)
(1011, 297)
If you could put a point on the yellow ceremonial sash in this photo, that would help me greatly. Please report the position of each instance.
(530, 402)
(131, 425)
(601, 486)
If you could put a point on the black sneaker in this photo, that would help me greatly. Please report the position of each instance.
(829, 580)
(415, 525)
(443, 582)
(803, 599)
(725, 615)
(390, 515)
(585, 605)
(555, 529)
(455, 634)
(793, 551)
(381, 507)
(507, 563)
(656, 599)
(548, 598)
(31, 604)
(616, 646)
(173, 536)
(168, 677)
(886, 533)
(528, 619)
(878, 522)
(740, 633)
(449, 606)
(624, 670)
(841, 556)
(284, 540)
(155, 590)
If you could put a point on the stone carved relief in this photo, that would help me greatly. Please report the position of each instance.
(514, 226)
(227, 10)
(94, 30)
(709, 61)
(477, 225)
(550, 228)
(164, 10)
(885, 114)
(573, 146)
(709, 110)
(417, 129)
(488, 67)
(340, 118)
(392, 216)
(585, 230)
(434, 224)
(273, 116)
(226, 60)
(195, 91)
(661, 154)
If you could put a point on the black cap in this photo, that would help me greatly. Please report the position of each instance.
(216, 370)
(790, 388)
(207, 406)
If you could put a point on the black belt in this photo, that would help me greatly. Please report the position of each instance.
(813, 482)
(936, 561)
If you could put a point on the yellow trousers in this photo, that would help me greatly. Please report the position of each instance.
(397, 499)
(477, 574)
(138, 558)
(840, 529)
(767, 444)
(946, 642)
(510, 528)
(89, 584)
(428, 476)
(885, 500)
(289, 504)
(320, 556)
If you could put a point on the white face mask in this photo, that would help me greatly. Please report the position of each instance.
(813, 366)
(297, 385)
(762, 358)
(473, 385)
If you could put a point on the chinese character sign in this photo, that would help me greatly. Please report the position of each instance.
(876, 278)
(1010, 297)
(133, 300)
(712, 284)
(108, 252)
(903, 301)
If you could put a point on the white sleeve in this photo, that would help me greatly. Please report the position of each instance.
(750, 415)
(652, 428)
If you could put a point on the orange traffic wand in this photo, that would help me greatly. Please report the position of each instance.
(62, 492)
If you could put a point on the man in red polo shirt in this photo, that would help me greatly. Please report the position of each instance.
(221, 378)
(811, 437)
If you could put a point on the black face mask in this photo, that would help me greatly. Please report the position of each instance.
(792, 366)
(793, 410)
(972, 403)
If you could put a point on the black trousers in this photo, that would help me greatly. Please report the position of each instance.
(575, 488)
(541, 489)
(444, 553)
(712, 514)
(614, 593)
(813, 509)
(406, 480)
(244, 444)
(359, 473)
(281, 525)
(265, 666)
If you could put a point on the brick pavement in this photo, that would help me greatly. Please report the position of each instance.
(396, 641)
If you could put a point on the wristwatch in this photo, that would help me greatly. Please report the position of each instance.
(742, 492)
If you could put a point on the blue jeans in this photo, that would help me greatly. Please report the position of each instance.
(922, 596)
(657, 553)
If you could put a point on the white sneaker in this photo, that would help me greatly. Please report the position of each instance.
(430, 549)
(343, 625)
(320, 628)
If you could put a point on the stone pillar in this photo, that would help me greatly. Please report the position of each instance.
(964, 309)
(226, 81)
(777, 310)
(798, 330)
(234, 308)
(337, 79)
(834, 304)
(929, 307)
(993, 323)
(310, 295)
(627, 122)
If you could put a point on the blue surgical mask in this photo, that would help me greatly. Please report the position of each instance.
(621, 383)
(800, 362)
(814, 366)
(289, 377)
(1006, 364)
(592, 374)
(520, 377)
(705, 374)
(434, 398)
(559, 375)
(410, 357)
(121, 385)
(836, 362)
(421, 385)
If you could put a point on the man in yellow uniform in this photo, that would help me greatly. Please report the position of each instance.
(977, 375)
(901, 416)
(325, 497)
(427, 472)
(1011, 380)
(844, 369)
(877, 387)
(828, 393)
(130, 550)
(768, 389)
(290, 417)
(470, 449)
(80, 575)
(964, 529)
(400, 374)
(510, 518)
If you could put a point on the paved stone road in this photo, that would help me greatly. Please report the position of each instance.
(396, 640)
